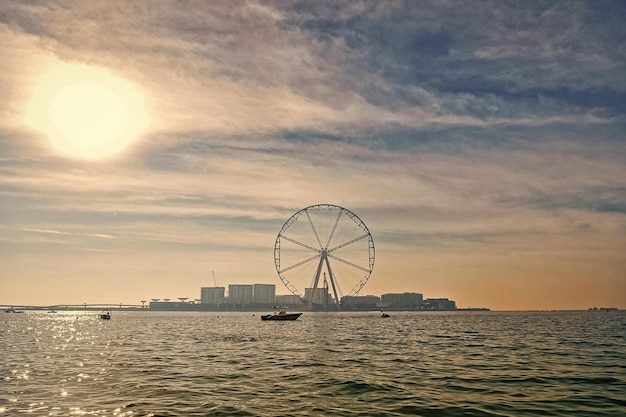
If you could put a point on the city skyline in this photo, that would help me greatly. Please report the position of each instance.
(144, 145)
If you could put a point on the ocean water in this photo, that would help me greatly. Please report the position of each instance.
(323, 364)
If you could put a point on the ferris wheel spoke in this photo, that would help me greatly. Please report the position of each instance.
(304, 245)
(289, 268)
(332, 233)
(319, 242)
(343, 245)
(348, 263)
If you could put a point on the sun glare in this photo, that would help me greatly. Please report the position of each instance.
(85, 111)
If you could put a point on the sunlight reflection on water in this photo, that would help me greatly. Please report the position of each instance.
(188, 364)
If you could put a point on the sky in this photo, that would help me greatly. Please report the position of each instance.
(483, 143)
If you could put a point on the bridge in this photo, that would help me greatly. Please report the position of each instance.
(75, 307)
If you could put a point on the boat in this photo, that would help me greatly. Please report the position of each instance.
(281, 314)
(52, 311)
(106, 315)
(12, 310)
(384, 315)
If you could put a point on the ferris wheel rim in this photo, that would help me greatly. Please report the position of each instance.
(299, 212)
(355, 218)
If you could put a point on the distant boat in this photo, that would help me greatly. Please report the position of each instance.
(52, 311)
(384, 315)
(106, 315)
(12, 310)
(281, 314)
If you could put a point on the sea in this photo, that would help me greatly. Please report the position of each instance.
(462, 363)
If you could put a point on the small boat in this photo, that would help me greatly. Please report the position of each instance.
(106, 315)
(52, 311)
(281, 314)
(12, 310)
(384, 315)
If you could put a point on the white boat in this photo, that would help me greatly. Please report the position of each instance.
(281, 314)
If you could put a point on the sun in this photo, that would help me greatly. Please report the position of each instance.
(86, 111)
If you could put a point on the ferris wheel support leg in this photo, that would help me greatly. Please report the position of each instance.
(332, 283)
(317, 280)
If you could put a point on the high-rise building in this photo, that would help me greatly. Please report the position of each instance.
(212, 295)
(240, 294)
(264, 293)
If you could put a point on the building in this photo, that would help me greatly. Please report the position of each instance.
(240, 294)
(318, 296)
(264, 293)
(403, 301)
(248, 297)
(289, 300)
(361, 302)
(439, 304)
(212, 295)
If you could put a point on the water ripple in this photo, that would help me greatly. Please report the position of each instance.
(327, 364)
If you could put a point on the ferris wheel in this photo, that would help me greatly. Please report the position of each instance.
(324, 252)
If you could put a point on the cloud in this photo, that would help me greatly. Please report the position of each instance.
(458, 131)
(63, 233)
(247, 67)
(54, 232)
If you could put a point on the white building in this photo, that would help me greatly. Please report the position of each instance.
(212, 295)
(264, 293)
(240, 294)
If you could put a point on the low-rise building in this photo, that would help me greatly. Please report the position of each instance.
(289, 300)
(439, 304)
(318, 296)
(360, 302)
(403, 301)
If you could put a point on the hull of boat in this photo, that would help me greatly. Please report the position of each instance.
(291, 316)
